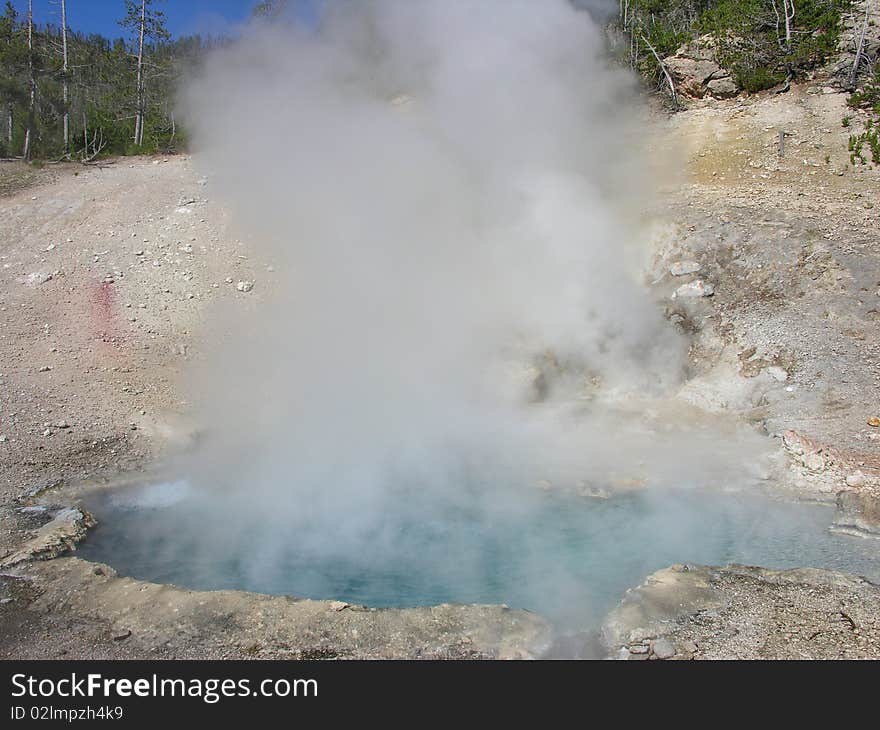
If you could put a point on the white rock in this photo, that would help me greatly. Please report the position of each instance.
(855, 480)
(777, 373)
(245, 286)
(682, 268)
(38, 278)
(698, 288)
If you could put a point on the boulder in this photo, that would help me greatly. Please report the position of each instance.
(696, 72)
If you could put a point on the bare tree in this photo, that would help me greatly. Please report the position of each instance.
(789, 13)
(147, 24)
(861, 47)
(139, 114)
(66, 89)
(662, 68)
(32, 83)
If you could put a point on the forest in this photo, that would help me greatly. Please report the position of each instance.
(69, 95)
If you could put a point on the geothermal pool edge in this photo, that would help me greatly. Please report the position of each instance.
(654, 619)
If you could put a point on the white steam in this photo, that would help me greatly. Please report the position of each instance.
(449, 193)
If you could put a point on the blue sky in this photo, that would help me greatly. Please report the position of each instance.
(208, 17)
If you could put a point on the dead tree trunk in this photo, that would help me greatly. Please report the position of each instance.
(139, 117)
(66, 90)
(861, 48)
(788, 10)
(663, 69)
(32, 84)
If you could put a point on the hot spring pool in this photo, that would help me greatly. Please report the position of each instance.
(568, 558)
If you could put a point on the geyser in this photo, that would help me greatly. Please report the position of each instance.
(449, 193)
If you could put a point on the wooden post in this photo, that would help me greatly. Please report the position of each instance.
(782, 135)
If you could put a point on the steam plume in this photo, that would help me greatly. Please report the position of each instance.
(449, 193)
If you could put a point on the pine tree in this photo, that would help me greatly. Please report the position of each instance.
(13, 55)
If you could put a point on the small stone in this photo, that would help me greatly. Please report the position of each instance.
(38, 278)
(3, 439)
(698, 288)
(874, 422)
(45, 369)
(62, 425)
(122, 635)
(683, 268)
(4, 601)
(36, 509)
(780, 375)
(245, 286)
(856, 480)
(690, 647)
(638, 649)
(47, 432)
(814, 462)
(663, 648)
(338, 606)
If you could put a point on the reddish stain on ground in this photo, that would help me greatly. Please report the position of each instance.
(104, 312)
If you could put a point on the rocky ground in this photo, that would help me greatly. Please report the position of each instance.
(108, 273)
(738, 612)
(788, 245)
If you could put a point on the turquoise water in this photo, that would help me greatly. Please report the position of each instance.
(568, 558)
